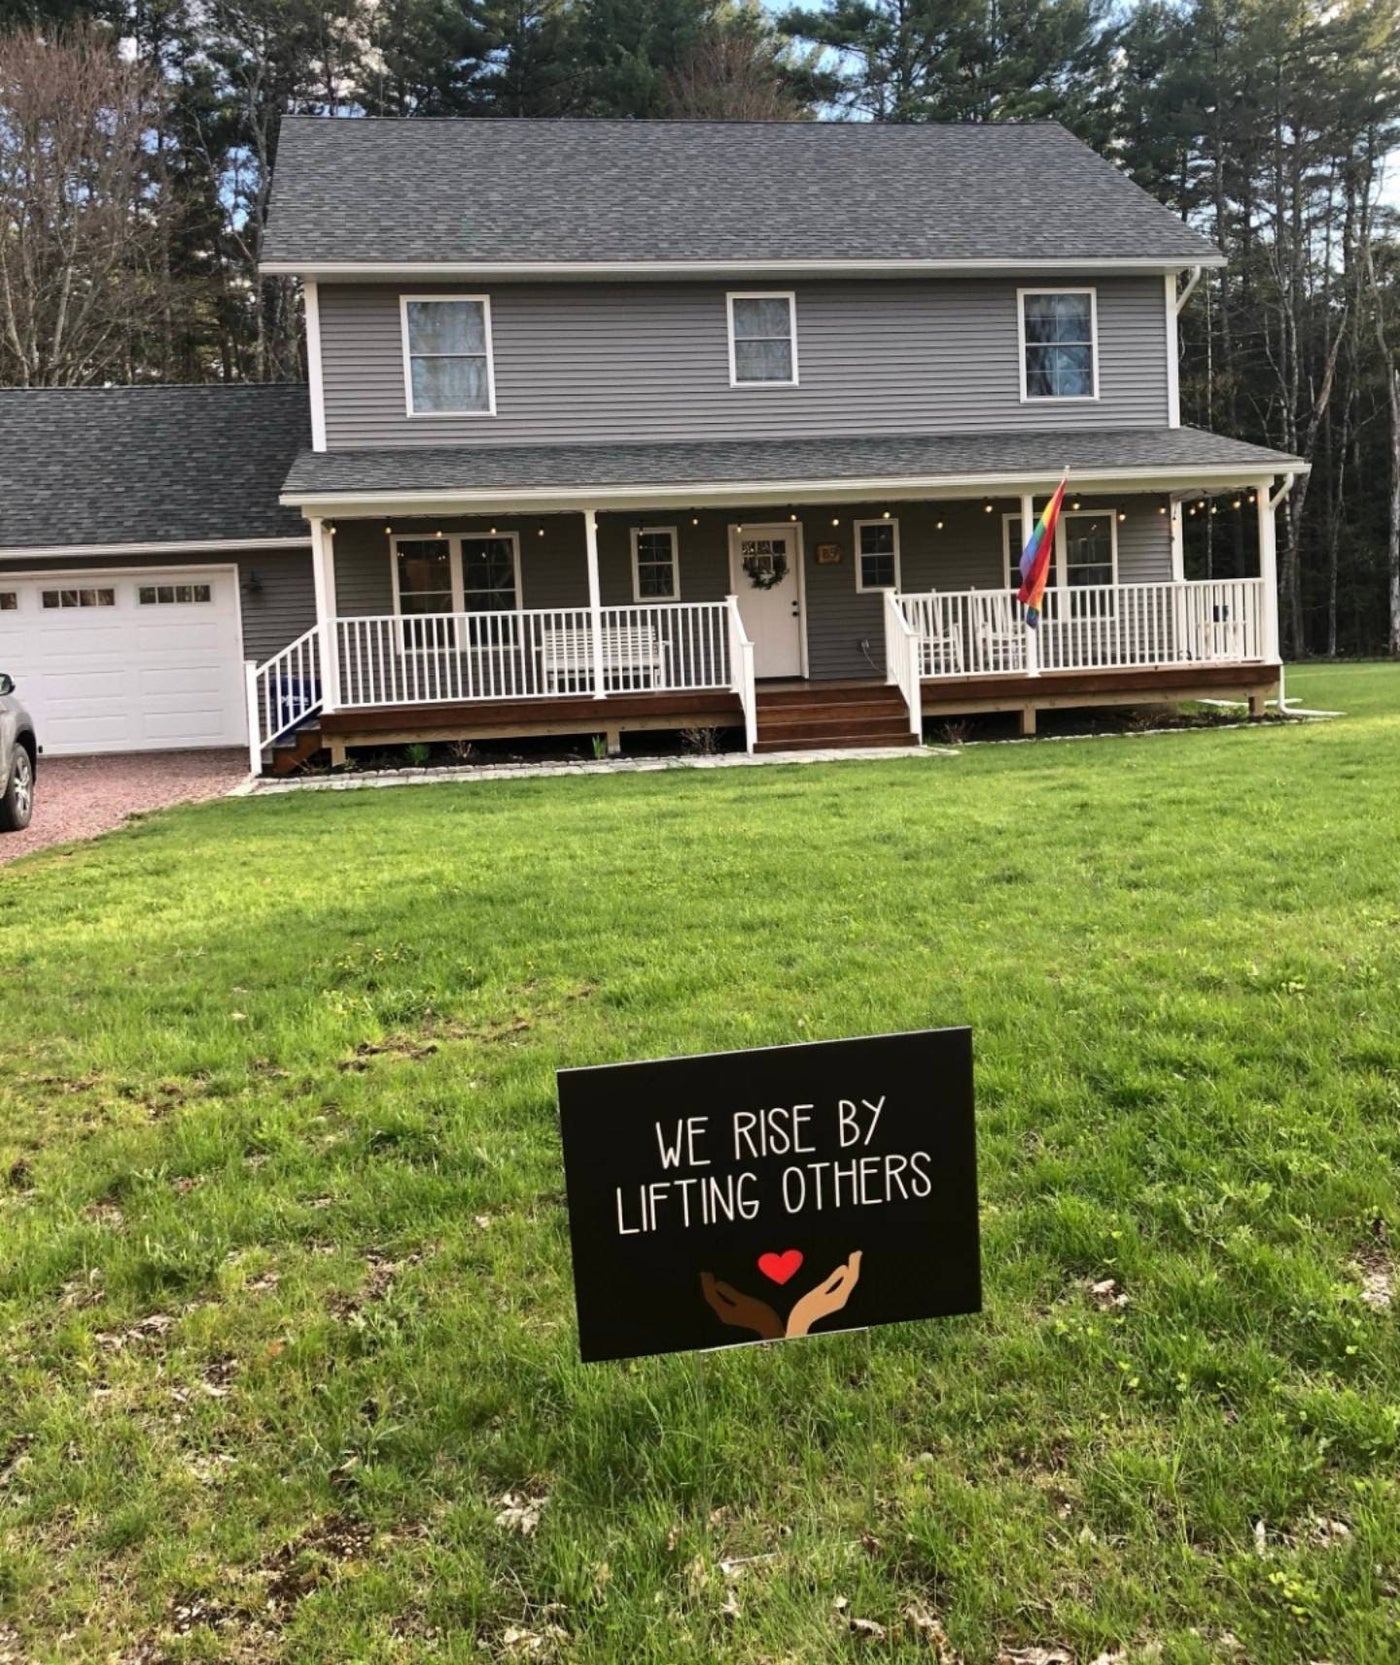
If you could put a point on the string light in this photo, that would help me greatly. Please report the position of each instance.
(1122, 516)
(1162, 510)
(938, 526)
(886, 515)
(1075, 504)
(792, 515)
(1237, 504)
(389, 530)
(835, 520)
(695, 520)
(987, 507)
(540, 533)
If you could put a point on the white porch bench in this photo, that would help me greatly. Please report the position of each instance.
(632, 657)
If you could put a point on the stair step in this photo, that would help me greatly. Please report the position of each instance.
(835, 693)
(886, 709)
(880, 728)
(295, 748)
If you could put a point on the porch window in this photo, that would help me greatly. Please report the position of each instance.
(1059, 358)
(877, 554)
(654, 567)
(763, 340)
(488, 574)
(447, 355)
(1090, 547)
(423, 568)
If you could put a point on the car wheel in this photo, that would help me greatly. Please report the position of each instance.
(17, 805)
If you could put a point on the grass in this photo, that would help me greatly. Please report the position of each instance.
(286, 1347)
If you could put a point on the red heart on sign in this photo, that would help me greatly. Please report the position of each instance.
(780, 1267)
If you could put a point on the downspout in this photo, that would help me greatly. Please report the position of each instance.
(1191, 283)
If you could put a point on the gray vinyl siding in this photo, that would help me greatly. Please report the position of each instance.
(610, 361)
(845, 628)
(277, 593)
(281, 607)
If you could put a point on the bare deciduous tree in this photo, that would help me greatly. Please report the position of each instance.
(731, 74)
(79, 237)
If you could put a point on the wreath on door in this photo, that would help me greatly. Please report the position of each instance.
(765, 571)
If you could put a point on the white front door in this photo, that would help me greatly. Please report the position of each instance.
(126, 661)
(772, 616)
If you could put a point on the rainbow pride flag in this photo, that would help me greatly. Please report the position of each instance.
(1038, 554)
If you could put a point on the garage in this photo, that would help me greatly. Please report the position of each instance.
(126, 661)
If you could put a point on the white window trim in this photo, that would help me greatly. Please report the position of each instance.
(1060, 289)
(1011, 553)
(656, 600)
(454, 542)
(862, 588)
(452, 415)
(1061, 545)
(788, 295)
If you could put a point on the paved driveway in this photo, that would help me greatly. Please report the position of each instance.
(79, 797)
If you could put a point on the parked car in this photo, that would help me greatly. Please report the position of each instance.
(19, 757)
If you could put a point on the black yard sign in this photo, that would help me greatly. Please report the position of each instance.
(788, 1191)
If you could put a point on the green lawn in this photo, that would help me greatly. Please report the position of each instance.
(285, 1309)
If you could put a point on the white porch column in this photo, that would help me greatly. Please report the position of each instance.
(1027, 522)
(323, 574)
(1268, 567)
(1178, 542)
(595, 600)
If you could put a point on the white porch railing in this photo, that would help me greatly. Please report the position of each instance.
(544, 653)
(902, 659)
(1089, 627)
(282, 693)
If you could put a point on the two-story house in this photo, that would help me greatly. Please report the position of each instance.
(618, 426)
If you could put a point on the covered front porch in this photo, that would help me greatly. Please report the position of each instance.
(665, 609)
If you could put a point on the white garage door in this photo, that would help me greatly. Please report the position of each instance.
(126, 662)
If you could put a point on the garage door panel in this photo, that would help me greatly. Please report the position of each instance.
(132, 676)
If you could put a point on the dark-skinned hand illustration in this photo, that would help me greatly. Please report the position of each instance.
(748, 1312)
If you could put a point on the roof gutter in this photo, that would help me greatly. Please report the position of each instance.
(760, 493)
(582, 270)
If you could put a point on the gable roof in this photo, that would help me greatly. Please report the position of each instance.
(108, 466)
(506, 192)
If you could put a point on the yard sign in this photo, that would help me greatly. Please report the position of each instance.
(757, 1196)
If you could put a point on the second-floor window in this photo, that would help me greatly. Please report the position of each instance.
(1059, 350)
(447, 355)
(763, 340)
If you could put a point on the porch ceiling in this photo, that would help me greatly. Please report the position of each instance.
(491, 478)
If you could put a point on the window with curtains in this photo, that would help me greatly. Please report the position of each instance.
(763, 340)
(1058, 345)
(447, 355)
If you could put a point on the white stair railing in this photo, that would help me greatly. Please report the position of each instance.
(902, 660)
(741, 672)
(282, 694)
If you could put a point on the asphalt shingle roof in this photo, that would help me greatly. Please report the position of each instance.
(713, 462)
(109, 465)
(472, 189)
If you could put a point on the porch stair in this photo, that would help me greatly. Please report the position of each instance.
(816, 716)
(293, 749)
